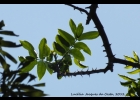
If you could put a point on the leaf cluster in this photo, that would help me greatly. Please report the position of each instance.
(132, 84)
(11, 82)
(66, 46)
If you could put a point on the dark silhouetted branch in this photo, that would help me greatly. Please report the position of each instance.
(111, 58)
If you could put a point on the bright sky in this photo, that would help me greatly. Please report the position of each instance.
(35, 21)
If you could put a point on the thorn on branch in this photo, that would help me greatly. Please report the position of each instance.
(78, 8)
(104, 50)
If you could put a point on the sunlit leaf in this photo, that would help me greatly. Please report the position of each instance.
(41, 69)
(60, 40)
(69, 38)
(129, 58)
(79, 30)
(126, 78)
(39, 85)
(83, 46)
(41, 47)
(136, 56)
(79, 64)
(89, 35)
(48, 68)
(47, 51)
(58, 49)
(128, 67)
(72, 26)
(126, 83)
(134, 72)
(33, 53)
(29, 67)
(27, 45)
(11, 33)
(134, 84)
(10, 57)
(76, 53)
(21, 58)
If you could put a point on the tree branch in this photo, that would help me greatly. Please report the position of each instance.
(111, 58)
(78, 8)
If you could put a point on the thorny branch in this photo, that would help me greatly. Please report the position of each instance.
(111, 58)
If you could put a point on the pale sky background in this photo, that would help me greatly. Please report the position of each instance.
(35, 21)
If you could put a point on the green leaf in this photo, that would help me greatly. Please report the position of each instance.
(134, 84)
(79, 30)
(33, 53)
(67, 59)
(29, 67)
(69, 38)
(62, 42)
(24, 63)
(41, 48)
(126, 78)
(1, 24)
(10, 57)
(129, 58)
(128, 67)
(131, 92)
(41, 69)
(72, 26)
(27, 45)
(127, 94)
(134, 72)
(59, 77)
(79, 64)
(32, 77)
(30, 91)
(8, 44)
(83, 46)
(50, 57)
(22, 77)
(26, 88)
(39, 85)
(37, 93)
(47, 50)
(11, 33)
(89, 35)
(48, 68)
(128, 83)
(30, 58)
(21, 58)
(58, 49)
(3, 63)
(136, 56)
(77, 54)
